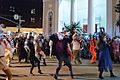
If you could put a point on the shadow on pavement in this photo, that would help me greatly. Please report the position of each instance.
(20, 75)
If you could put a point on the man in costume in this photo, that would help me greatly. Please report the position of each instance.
(76, 49)
(60, 45)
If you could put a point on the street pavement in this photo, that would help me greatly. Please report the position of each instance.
(84, 71)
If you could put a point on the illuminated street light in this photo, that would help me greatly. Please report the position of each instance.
(18, 17)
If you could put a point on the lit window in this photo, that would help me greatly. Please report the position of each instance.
(32, 11)
(33, 20)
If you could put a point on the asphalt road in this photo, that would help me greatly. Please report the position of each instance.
(84, 71)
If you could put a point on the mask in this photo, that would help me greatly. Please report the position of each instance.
(60, 36)
(105, 39)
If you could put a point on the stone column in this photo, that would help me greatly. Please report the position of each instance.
(109, 26)
(44, 21)
(91, 17)
(72, 11)
(56, 14)
(49, 7)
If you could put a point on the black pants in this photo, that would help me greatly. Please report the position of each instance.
(34, 60)
(67, 63)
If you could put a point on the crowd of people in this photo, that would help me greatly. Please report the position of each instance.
(63, 45)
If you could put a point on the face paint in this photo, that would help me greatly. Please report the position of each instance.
(105, 39)
(60, 36)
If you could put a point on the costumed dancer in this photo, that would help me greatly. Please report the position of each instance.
(40, 41)
(76, 49)
(38, 49)
(26, 47)
(22, 54)
(92, 51)
(67, 37)
(60, 45)
(33, 58)
(104, 62)
(3, 46)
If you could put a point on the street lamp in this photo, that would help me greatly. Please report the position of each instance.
(18, 17)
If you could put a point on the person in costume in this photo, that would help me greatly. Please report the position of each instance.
(4, 45)
(8, 52)
(76, 49)
(92, 51)
(33, 57)
(38, 49)
(104, 62)
(60, 45)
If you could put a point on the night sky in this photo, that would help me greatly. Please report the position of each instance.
(22, 7)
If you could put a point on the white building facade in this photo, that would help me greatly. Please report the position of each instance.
(92, 14)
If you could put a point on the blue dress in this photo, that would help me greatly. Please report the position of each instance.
(104, 62)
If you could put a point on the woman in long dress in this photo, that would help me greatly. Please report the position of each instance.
(104, 62)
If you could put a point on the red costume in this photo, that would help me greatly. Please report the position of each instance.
(92, 51)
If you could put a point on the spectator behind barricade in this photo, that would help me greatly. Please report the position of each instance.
(116, 50)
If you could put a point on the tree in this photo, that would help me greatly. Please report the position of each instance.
(72, 27)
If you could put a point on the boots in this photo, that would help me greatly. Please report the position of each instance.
(71, 74)
(56, 77)
(100, 75)
(44, 62)
(31, 70)
(111, 74)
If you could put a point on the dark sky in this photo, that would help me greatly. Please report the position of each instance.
(22, 7)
